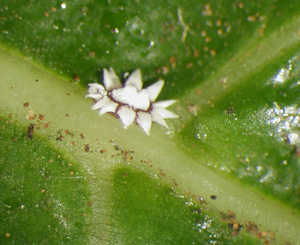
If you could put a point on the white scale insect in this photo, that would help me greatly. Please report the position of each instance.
(130, 102)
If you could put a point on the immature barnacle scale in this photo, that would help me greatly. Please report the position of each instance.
(130, 102)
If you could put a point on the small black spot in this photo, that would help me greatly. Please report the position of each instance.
(30, 131)
(213, 197)
(87, 148)
(230, 110)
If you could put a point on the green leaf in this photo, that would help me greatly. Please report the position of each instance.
(233, 67)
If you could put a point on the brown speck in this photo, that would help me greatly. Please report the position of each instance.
(26, 104)
(67, 115)
(41, 116)
(30, 131)
(81, 136)
(125, 175)
(213, 197)
(46, 14)
(46, 125)
(43, 190)
(212, 52)
(145, 161)
(71, 173)
(174, 182)
(87, 148)
(36, 80)
(102, 151)
(7, 234)
(73, 143)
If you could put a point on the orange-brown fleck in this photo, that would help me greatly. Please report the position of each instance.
(207, 39)
(172, 60)
(218, 22)
(189, 65)
(212, 52)
(196, 53)
(251, 18)
(76, 78)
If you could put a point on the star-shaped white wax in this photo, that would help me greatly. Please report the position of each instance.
(131, 103)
